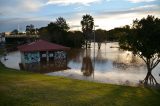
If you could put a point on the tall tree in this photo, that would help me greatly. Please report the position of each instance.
(61, 22)
(14, 32)
(100, 36)
(75, 39)
(116, 33)
(30, 30)
(87, 26)
(55, 31)
(144, 40)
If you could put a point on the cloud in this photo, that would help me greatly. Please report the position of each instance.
(137, 10)
(105, 19)
(30, 5)
(125, 17)
(11, 24)
(68, 2)
(145, 7)
(111, 19)
(138, 1)
(21, 12)
(19, 6)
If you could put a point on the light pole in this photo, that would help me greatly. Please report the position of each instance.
(94, 47)
(95, 34)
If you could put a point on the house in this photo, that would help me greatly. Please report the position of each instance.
(42, 55)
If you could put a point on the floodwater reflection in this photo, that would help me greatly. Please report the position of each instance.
(109, 64)
(87, 66)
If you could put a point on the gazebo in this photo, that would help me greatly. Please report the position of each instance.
(42, 55)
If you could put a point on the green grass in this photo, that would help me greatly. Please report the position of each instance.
(18, 88)
(1, 51)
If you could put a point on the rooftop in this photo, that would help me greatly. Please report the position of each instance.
(41, 45)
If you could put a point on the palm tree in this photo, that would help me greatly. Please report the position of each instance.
(87, 26)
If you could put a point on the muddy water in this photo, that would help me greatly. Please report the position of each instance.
(108, 65)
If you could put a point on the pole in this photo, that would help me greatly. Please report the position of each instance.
(94, 52)
(18, 29)
(94, 46)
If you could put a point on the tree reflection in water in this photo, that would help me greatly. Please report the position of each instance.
(75, 55)
(99, 59)
(87, 66)
(109, 65)
(126, 60)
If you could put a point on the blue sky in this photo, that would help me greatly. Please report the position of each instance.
(108, 14)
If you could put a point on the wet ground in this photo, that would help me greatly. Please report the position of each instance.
(108, 65)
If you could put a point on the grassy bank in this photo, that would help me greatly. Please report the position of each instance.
(1, 51)
(23, 88)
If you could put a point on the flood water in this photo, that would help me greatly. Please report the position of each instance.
(108, 65)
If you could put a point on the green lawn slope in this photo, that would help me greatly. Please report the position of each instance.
(18, 88)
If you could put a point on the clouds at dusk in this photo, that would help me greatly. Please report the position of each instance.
(107, 13)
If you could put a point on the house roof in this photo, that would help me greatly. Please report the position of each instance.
(41, 45)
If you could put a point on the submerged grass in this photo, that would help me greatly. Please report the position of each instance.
(19, 88)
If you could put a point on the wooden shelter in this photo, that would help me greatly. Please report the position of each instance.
(41, 54)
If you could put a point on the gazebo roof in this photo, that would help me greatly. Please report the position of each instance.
(41, 45)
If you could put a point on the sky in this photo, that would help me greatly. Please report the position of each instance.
(107, 14)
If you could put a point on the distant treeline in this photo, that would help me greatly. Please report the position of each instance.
(58, 32)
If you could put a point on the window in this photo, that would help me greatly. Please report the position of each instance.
(44, 55)
(51, 55)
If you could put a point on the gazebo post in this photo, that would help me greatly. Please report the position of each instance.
(66, 59)
(39, 59)
(47, 56)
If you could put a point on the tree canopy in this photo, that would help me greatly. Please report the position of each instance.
(87, 23)
(100, 36)
(144, 40)
(116, 33)
(57, 32)
(62, 24)
(30, 30)
(14, 32)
